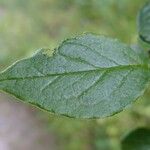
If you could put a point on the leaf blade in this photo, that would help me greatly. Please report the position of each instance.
(85, 83)
(138, 139)
(144, 23)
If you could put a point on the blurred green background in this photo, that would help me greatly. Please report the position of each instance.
(27, 25)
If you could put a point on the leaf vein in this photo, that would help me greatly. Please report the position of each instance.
(93, 50)
(77, 60)
(93, 85)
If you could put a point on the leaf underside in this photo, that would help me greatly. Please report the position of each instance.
(138, 139)
(144, 23)
(87, 77)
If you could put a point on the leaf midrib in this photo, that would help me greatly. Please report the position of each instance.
(144, 66)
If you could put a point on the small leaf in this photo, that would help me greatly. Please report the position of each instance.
(87, 77)
(138, 139)
(144, 23)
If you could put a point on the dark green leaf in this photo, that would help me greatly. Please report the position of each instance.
(87, 77)
(138, 139)
(144, 23)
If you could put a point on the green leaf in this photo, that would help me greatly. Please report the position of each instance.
(138, 139)
(144, 23)
(87, 77)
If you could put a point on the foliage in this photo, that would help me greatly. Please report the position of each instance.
(28, 25)
(144, 23)
(138, 139)
(87, 77)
